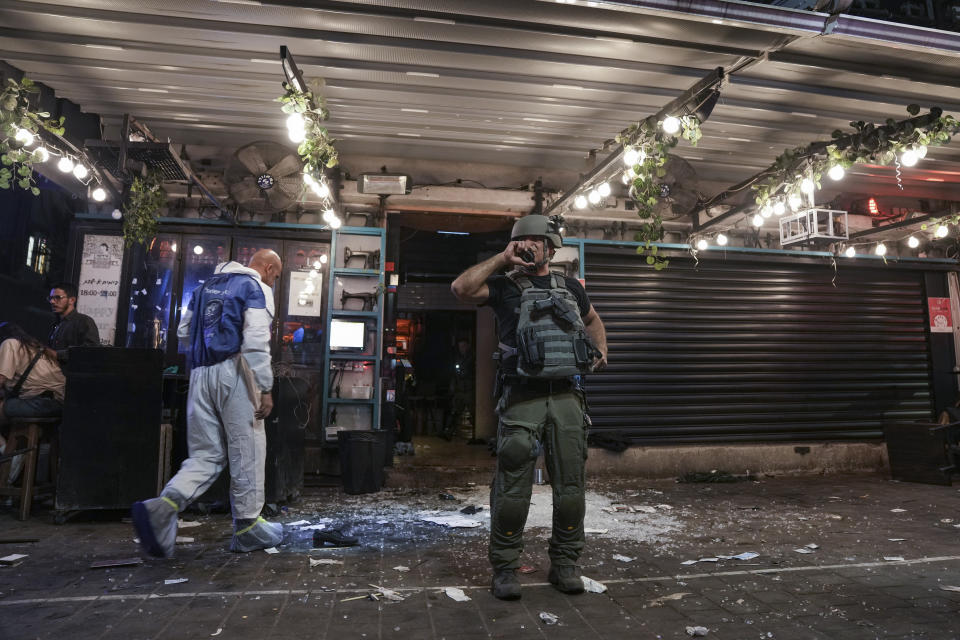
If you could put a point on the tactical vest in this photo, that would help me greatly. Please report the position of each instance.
(552, 342)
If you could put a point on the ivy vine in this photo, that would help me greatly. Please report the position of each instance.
(17, 118)
(316, 150)
(653, 145)
(144, 202)
(867, 143)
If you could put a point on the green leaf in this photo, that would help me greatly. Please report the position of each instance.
(651, 260)
(35, 191)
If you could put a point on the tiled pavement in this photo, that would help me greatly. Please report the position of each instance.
(844, 589)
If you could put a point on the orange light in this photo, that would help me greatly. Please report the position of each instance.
(934, 179)
(872, 207)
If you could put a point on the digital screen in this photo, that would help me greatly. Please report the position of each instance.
(348, 334)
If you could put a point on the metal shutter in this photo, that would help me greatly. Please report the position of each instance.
(735, 350)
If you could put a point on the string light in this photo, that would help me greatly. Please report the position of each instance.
(631, 156)
(758, 220)
(593, 196)
(580, 202)
(116, 214)
(702, 244)
(41, 154)
(909, 158)
(766, 211)
(625, 178)
(881, 249)
(80, 172)
(807, 186)
(335, 223)
(722, 240)
(99, 194)
(296, 127)
(671, 124)
(836, 172)
(942, 231)
(604, 189)
(24, 137)
(779, 208)
(795, 201)
(65, 164)
(850, 252)
(329, 215)
(912, 242)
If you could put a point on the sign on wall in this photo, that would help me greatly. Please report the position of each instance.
(940, 321)
(99, 285)
(306, 289)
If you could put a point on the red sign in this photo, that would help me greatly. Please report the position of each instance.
(940, 321)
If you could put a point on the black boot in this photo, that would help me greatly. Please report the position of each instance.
(566, 578)
(505, 584)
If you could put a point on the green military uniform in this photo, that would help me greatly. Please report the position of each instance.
(531, 411)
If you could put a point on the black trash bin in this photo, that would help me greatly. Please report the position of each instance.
(361, 461)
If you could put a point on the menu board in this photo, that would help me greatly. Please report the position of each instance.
(99, 285)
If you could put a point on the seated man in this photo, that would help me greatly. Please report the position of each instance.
(73, 329)
(31, 382)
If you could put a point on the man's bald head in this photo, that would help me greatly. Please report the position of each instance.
(267, 263)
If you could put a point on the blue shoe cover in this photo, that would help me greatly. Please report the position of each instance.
(258, 535)
(155, 522)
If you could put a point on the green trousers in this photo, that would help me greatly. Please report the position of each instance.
(558, 422)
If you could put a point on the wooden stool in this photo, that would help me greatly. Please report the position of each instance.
(27, 429)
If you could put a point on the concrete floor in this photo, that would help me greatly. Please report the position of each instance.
(852, 586)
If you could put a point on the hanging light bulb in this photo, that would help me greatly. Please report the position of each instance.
(807, 186)
(758, 220)
(795, 201)
(722, 240)
(942, 231)
(335, 223)
(909, 158)
(766, 211)
(631, 156)
(24, 137)
(116, 214)
(329, 215)
(40, 154)
(65, 164)
(850, 252)
(836, 172)
(99, 194)
(321, 189)
(295, 121)
(912, 242)
(671, 124)
(604, 189)
(593, 196)
(296, 135)
(198, 249)
(779, 208)
(702, 244)
(881, 249)
(80, 172)
(625, 178)
(323, 258)
(308, 178)
(580, 202)
(922, 151)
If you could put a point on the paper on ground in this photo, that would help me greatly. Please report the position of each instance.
(175, 580)
(697, 631)
(549, 618)
(893, 558)
(621, 558)
(318, 561)
(453, 520)
(589, 530)
(746, 555)
(656, 602)
(389, 594)
(456, 594)
(187, 524)
(803, 550)
(947, 587)
(896, 539)
(313, 527)
(184, 539)
(401, 568)
(13, 557)
(898, 510)
(592, 585)
(272, 550)
(298, 523)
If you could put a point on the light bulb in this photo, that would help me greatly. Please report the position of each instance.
(850, 252)
(295, 122)
(40, 154)
(198, 249)
(335, 223)
(701, 244)
(65, 164)
(942, 231)
(721, 240)
(321, 189)
(604, 189)
(173, 247)
(912, 242)
(766, 211)
(807, 186)
(795, 201)
(881, 249)
(631, 156)
(99, 194)
(836, 172)
(80, 172)
(580, 202)
(758, 220)
(329, 214)
(909, 158)
(323, 259)
(296, 135)
(671, 124)
(779, 208)
(922, 151)
(308, 178)
(116, 214)
(625, 178)
(593, 196)
(24, 137)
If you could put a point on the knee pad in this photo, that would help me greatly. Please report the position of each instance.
(516, 448)
(570, 510)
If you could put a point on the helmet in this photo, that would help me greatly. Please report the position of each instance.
(537, 225)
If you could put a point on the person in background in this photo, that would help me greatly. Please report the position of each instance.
(73, 329)
(31, 382)
(228, 324)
